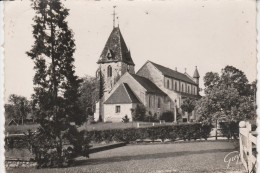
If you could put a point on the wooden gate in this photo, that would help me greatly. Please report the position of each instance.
(247, 140)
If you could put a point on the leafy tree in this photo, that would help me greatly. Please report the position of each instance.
(89, 95)
(56, 91)
(17, 108)
(228, 98)
(188, 106)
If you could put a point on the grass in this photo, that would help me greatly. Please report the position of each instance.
(13, 129)
(23, 154)
(164, 158)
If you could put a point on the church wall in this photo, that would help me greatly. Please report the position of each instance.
(113, 116)
(152, 104)
(127, 68)
(150, 72)
(110, 81)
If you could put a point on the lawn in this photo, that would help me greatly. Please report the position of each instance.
(155, 158)
(13, 129)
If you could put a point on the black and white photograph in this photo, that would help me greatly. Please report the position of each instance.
(129, 86)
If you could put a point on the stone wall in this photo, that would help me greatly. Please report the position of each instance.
(16, 163)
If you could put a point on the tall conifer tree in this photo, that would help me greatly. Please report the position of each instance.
(56, 85)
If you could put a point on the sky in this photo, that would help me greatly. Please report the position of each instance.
(182, 33)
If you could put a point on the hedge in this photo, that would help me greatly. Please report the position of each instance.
(191, 131)
(182, 132)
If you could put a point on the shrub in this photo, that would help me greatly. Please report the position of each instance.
(173, 132)
(138, 113)
(229, 129)
(167, 116)
(125, 119)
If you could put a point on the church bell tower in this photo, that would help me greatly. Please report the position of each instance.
(115, 59)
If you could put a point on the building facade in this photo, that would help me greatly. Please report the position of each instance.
(158, 88)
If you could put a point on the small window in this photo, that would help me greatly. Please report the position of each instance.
(128, 68)
(188, 89)
(168, 84)
(182, 88)
(117, 109)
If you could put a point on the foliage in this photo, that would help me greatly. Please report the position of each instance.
(88, 95)
(56, 93)
(138, 113)
(229, 130)
(188, 106)
(18, 108)
(125, 119)
(228, 97)
(173, 132)
(167, 116)
(151, 117)
(101, 91)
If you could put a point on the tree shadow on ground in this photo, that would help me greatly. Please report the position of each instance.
(97, 161)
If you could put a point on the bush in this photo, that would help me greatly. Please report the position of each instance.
(138, 113)
(167, 116)
(229, 129)
(172, 132)
(125, 119)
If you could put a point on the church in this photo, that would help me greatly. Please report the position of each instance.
(158, 88)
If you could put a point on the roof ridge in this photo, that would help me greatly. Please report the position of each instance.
(166, 71)
(167, 68)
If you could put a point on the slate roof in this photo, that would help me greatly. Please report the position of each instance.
(115, 49)
(196, 73)
(147, 84)
(174, 74)
(123, 94)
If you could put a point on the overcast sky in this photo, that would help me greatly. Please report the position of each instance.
(183, 33)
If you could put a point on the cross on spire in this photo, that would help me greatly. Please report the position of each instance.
(114, 16)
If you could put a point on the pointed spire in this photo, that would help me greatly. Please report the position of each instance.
(196, 73)
(116, 47)
(117, 21)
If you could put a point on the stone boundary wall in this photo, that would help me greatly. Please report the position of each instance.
(16, 163)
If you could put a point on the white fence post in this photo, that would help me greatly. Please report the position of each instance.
(245, 140)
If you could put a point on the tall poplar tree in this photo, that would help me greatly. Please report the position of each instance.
(56, 85)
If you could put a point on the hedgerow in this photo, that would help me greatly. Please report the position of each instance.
(172, 132)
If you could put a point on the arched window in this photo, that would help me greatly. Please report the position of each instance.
(159, 102)
(150, 101)
(109, 71)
